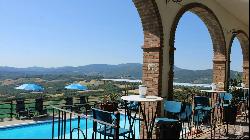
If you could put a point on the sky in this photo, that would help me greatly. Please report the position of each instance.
(55, 33)
(194, 48)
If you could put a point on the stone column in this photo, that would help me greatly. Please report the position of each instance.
(245, 76)
(152, 65)
(219, 73)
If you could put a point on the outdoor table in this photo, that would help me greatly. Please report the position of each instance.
(148, 99)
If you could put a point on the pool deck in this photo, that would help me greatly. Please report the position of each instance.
(14, 121)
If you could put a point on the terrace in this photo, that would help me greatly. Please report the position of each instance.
(71, 121)
(225, 21)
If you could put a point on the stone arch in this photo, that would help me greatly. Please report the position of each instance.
(152, 52)
(244, 43)
(217, 36)
(153, 43)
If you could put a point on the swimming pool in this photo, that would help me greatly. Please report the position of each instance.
(43, 130)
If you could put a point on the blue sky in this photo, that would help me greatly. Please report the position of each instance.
(53, 33)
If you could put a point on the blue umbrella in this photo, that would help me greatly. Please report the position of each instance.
(30, 87)
(76, 87)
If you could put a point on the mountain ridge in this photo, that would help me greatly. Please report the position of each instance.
(129, 70)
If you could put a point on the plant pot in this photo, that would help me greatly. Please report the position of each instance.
(110, 107)
(230, 114)
(168, 130)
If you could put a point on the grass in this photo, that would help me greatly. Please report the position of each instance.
(5, 107)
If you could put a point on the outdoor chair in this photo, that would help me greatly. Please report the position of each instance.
(226, 99)
(202, 109)
(186, 112)
(243, 101)
(69, 105)
(39, 108)
(133, 106)
(170, 126)
(172, 109)
(21, 111)
(105, 130)
(83, 103)
(186, 117)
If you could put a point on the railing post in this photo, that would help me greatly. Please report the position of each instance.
(59, 119)
(11, 109)
(70, 127)
(117, 125)
(53, 123)
(78, 126)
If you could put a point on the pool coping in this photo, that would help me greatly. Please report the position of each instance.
(32, 123)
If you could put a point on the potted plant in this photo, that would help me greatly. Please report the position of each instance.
(109, 102)
(110, 99)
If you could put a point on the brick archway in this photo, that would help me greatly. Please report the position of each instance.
(244, 43)
(153, 43)
(217, 36)
(152, 53)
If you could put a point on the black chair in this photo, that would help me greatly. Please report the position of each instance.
(21, 111)
(170, 126)
(39, 108)
(202, 109)
(69, 101)
(83, 103)
(69, 105)
(105, 130)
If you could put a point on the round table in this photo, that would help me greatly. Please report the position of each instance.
(137, 98)
(149, 123)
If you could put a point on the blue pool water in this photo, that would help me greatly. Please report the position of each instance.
(43, 130)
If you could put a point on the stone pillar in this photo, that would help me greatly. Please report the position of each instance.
(219, 73)
(152, 70)
(152, 65)
(245, 76)
(152, 52)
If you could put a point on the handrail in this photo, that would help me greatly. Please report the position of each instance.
(85, 116)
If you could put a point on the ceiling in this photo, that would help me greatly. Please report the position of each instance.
(237, 8)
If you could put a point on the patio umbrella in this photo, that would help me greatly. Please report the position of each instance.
(76, 87)
(30, 87)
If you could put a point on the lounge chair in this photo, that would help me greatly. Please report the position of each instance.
(21, 111)
(39, 108)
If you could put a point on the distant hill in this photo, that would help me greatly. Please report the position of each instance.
(129, 70)
(196, 76)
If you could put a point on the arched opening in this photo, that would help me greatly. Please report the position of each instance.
(241, 41)
(193, 42)
(235, 59)
(218, 42)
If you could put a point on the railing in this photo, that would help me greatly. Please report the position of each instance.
(65, 123)
(82, 128)
(7, 108)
